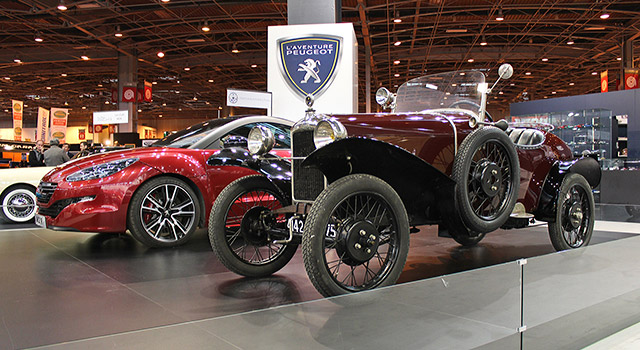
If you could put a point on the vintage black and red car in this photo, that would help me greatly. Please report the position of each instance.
(361, 183)
(162, 193)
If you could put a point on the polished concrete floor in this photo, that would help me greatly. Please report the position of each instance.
(78, 290)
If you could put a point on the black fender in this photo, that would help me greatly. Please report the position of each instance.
(419, 184)
(276, 169)
(586, 166)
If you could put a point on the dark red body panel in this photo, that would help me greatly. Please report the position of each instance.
(430, 136)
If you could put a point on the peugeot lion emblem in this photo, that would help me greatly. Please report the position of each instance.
(308, 64)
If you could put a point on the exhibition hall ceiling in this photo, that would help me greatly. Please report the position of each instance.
(557, 47)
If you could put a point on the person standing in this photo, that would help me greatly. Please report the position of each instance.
(55, 155)
(84, 150)
(36, 155)
(65, 149)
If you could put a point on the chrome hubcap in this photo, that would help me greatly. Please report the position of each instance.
(167, 212)
(20, 206)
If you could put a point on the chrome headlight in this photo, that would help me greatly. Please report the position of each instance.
(101, 170)
(260, 140)
(327, 131)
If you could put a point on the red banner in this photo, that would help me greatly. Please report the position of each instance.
(97, 128)
(81, 134)
(148, 93)
(17, 119)
(630, 78)
(604, 81)
(90, 129)
(112, 128)
(129, 94)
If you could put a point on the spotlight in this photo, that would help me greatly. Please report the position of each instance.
(62, 6)
(500, 16)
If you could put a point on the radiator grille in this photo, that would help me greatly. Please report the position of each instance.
(307, 183)
(45, 191)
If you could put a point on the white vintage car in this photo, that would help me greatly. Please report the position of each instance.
(18, 192)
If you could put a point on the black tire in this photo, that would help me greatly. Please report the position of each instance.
(18, 204)
(486, 170)
(350, 260)
(575, 211)
(231, 237)
(164, 212)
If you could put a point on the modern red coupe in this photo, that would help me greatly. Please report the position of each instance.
(161, 194)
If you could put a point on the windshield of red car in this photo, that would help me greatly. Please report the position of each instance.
(187, 137)
(443, 90)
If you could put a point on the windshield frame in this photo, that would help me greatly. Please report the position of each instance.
(453, 89)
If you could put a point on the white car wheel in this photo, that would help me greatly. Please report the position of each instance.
(19, 204)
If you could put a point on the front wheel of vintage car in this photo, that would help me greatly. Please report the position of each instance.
(486, 170)
(356, 236)
(163, 212)
(18, 204)
(239, 225)
(574, 214)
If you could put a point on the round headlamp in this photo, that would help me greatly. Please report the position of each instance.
(260, 140)
(328, 131)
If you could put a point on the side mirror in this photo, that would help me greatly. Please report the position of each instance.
(235, 141)
(505, 71)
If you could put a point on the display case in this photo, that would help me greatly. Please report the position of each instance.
(593, 130)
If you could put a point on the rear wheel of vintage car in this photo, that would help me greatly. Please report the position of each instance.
(356, 236)
(487, 175)
(18, 204)
(239, 223)
(163, 212)
(574, 214)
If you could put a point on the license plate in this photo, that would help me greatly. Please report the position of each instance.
(41, 221)
(296, 224)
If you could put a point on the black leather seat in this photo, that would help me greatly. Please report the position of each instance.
(526, 137)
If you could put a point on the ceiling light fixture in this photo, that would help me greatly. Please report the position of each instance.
(471, 60)
(205, 28)
(63, 74)
(604, 15)
(66, 103)
(160, 54)
(118, 33)
(484, 41)
(545, 59)
(397, 19)
(62, 6)
(570, 41)
(572, 84)
(527, 73)
(165, 1)
(396, 75)
(38, 37)
(48, 88)
(17, 60)
(85, 57)
(500, 16)
(211, 80)
(155, 83)
(396, 42)
(594, 73)
(619, 58)
(234, 48)
(396, 62)
(187, 68)
(254, 66)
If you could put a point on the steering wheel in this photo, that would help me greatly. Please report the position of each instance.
(469, 102)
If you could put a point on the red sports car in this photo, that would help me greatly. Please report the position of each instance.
(160, 193)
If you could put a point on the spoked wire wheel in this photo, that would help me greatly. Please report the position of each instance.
(19, 204)
(487, 175)
(164, 212)
(574, 217)
(240, 227)
(356, 236)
